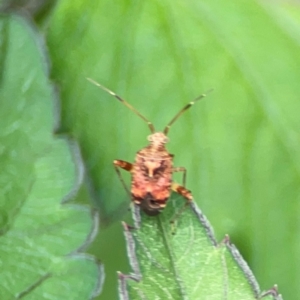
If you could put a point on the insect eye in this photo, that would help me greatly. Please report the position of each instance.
(149, 138)
(166, 140)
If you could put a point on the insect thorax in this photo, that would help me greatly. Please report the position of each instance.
(153, 163)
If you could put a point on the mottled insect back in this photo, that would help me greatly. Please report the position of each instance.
(151, 172)
(152, 177)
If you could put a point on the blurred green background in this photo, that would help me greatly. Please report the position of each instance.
(240, 145)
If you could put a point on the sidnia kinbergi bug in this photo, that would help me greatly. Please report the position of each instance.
(151, 173)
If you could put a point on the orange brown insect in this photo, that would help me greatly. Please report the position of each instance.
(151, 173)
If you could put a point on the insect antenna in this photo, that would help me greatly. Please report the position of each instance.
(186, 107)
(150, 125)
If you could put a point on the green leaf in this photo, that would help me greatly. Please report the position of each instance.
(42, 236)
(185, 264)
(240, 145)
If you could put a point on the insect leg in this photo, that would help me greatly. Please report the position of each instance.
(125, 166)
(181, 190)
(181, 169)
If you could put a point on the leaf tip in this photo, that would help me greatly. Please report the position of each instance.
(272, 292)
(226, 240)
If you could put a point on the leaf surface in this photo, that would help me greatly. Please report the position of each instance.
(186, 263)
(42, 236)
